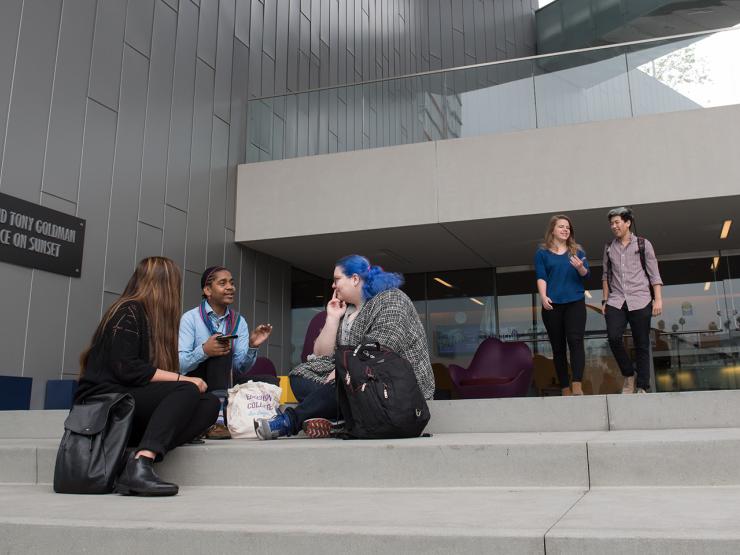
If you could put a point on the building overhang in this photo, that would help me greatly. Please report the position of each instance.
(573, 24)
(484, 201)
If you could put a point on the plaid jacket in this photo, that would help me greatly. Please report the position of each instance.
(390, 319)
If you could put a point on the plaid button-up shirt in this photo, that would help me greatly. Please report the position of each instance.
(628, 281)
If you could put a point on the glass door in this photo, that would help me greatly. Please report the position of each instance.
(690, 339)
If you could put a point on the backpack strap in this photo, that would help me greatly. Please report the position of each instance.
(641, 250)
(608, 265)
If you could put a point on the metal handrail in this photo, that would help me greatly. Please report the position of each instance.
(499, 62)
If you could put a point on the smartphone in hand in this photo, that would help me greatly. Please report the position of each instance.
(226, 338)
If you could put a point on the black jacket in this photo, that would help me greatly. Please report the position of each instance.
(119, 358)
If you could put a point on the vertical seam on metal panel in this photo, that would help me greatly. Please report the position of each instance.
(79, 180)
(51, 97)
(169, 134)
(10, 96)
(28, 317)
(190, 149)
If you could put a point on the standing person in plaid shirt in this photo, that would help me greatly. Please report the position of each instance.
(632, 295)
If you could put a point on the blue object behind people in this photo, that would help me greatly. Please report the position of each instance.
(15, 392)
(564, 285)
(60, 394)
(193, 333)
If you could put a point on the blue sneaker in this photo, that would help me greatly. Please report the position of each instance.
(275, 427)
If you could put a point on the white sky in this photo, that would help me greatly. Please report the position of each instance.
(717, 57)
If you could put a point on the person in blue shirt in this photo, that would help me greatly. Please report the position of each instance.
(561, 266)
(203, 350)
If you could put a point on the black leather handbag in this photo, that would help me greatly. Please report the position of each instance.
(91, 454)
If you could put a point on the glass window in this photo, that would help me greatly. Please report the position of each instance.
(684, 75)
(460, 314)
(494, 99)
(576, 88)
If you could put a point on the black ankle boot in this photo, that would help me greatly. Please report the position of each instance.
(139, 478)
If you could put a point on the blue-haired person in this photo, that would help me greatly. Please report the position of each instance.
(367, 304)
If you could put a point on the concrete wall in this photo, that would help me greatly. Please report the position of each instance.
(660, 158)
(131, 114)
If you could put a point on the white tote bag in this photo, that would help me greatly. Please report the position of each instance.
(248, 401)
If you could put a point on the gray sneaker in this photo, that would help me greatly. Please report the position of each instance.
(629, 385)
(641, 390)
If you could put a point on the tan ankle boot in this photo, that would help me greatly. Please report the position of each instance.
(566, 392)
(577, 389)
(629, 385)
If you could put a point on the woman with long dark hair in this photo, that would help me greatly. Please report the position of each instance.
(561, 267)
(134, 350)
(367, 304)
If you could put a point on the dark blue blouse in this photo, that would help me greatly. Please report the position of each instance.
(564, 285)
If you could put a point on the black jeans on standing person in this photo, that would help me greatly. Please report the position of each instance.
(565, 325)
(168, 414)
(315, 400)
(639, 321)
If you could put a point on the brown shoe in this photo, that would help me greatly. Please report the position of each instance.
(218, 431)
(576, 388)
(629, 385)
(566, 392)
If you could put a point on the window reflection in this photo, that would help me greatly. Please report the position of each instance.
(695, 342)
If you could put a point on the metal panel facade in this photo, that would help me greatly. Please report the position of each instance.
(132, 115)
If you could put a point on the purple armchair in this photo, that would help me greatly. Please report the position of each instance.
(263, 370)
(314, 329)
(262, 366)
(498, 369)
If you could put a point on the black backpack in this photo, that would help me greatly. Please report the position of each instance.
(377, 393)
(91, 453)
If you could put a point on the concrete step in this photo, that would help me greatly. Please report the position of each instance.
(615, 521)
(555, 459)
(367, 520)
(281, 520)
(693, 457)
(697, 409)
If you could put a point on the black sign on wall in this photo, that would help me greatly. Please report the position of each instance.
(39, 237)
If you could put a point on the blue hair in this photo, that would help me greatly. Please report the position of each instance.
(374, 279)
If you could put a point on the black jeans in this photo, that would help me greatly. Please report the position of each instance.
(168, 414)
(566, 324)
(639, 321)
(315, 400)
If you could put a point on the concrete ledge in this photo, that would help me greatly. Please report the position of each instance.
(271, 520)
(462, 460)
(17, 464)
(32, 424)
(521, 414)
(689, 409)
(450, 460)
(650, 521)
(665, 458)
(693, 457)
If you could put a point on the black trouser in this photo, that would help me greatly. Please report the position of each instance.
(215, 371)
(315, 400)
(566, 324)
(168, 414)
(639, 321)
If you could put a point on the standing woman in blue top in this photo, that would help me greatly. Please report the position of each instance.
(561, 267)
